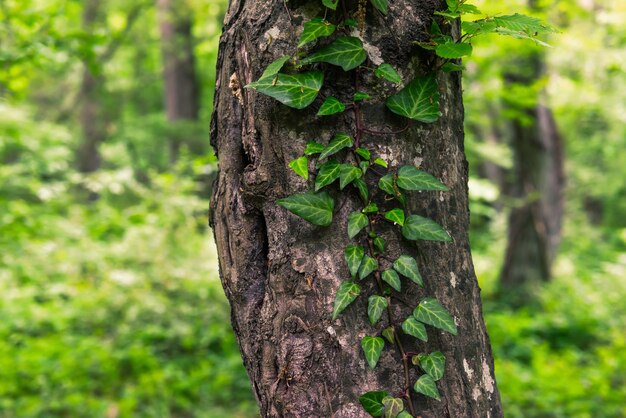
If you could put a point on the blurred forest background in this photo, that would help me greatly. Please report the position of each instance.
(111, 303)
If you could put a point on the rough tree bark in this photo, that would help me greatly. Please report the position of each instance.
(280, 273)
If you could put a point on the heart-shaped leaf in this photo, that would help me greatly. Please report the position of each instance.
(275, 67)
(371, 208)
(393, 406)
(430, 312)
(372, 347)
(368, 265)
(419, 100)
(404, 414)
(427, 386)
(346, 294)
(353, 255)
(392, 279)
(297, 91)
(327, 174)
(434, 364)
(356, 222)
(380, 244)
(348, 174)
(376, 305)
(316, 208)
(346, 52)
(372, 402)
(410, 178)
(386, 184)
(301, 167)
(339, 142)
(389, 73)
(417, 227)
(331, 4)
(381, 5)
(313, 147)
(407, 266)
(364, 153)
(412, 326)
(396, 216)
(331, 106)
(315, 29)
(362, 188)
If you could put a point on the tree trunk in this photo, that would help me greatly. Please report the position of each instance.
(280, 273)
(181, 87)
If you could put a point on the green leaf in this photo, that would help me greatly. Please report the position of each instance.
(522, 23)
(375, 307)
(331, 106)
(407, 266)
(346, 52)
(479, 27)
(297, 91)
(388, 333)
(412, 326)
(339, 142)
(364, 166)
(427, 386)
(346, 294)
(348, 174)
(410, 178)
(275, 67)
(419, 100)
(362, 188)
(417, 227)
(372, 402)
(331, 4)
(315, 29)
(404, 414)
(364, 153)
(353, 255)
(469, 8)
(316, 208)
(387, 72)
(396, 216)
(313, 147)
(371, 208)
(392, 279)
(380, 162)
(380, 244)
(386, 184)
(430, 312)
(368, 265)
(372, 347)
(328, 173)
(356, 222)
(393, 406)
(301, 167)
(381, 5)
(449, 67)
(359, 95)
(434, 364)
(453, 50)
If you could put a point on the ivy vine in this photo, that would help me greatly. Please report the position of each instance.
(346, 161)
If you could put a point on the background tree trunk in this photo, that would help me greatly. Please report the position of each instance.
(280, 273)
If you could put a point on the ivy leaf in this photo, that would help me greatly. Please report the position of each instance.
(381, 5)
(359, 95)
(419, 100)
(380, 244)
(331, 106)
(364, 166)
(356, 222)
(392, 279)
(313, 147)
(375, 307)
(412, 326)
(410, 178)
(353, 255)
(364, 153)
(362, 188)
(417, 227)
(404, 414)
(301, 167)
(368, 265)
(453, 50)
(331, 4)
(348, 174)
(380, 162)
(315, 29)
(393, 406)
(372, 402)
(396, 216)
(328, 173)
(430, 312)
(372, 347)
(316, 208)
(387, 72)
(371, 208)
(407, 266)
(339, 142)
(388, 333)
(275, 67)
(346, 52)
(346, 294)
(386, 184)
(427, 386)
(297, 91)
(434, 364)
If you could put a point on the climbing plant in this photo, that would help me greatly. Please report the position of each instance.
(296, 82)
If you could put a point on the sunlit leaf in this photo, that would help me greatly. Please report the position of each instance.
(313, 147)
(389, 73)
(364, 153)
(327, 174)
(410, 178)
(346, 294)
(301, 167)
(430, 312)
(419, 100)
(275, 67)
(453, 50)
(396, 216)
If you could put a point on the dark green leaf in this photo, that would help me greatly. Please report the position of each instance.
(316, 208)
(380, 244)
(315, 29)
(391, 277)
(353, 255)
(346, 52)
(412, 326)
(410, 178)
(453, 50)
(430, 312)
(388, 333)
(427, 386)
(363, 153)
(372, 347)
(331, 4)
(372, 402)
(386, 184)
(389, 73)
(364, 166)
(328, 173)
(356, 222)
(348, 174)
(419, 100)
(359, 95)
(339, 142)
(371, 208)
(362, 188)
(393, 406)
(396, 216)
(297, 91)
(381, 5)
(407, 266)
(301, 167)
(434, 364)
(417, 227)
(313, 147)
(368, 265)
(275, 67)
(331, 106)
(346, 294)
(449, 67)
(375, 307)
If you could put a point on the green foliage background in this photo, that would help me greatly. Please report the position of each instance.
(113, 307)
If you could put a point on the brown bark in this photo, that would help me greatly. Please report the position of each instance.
(280, 273)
